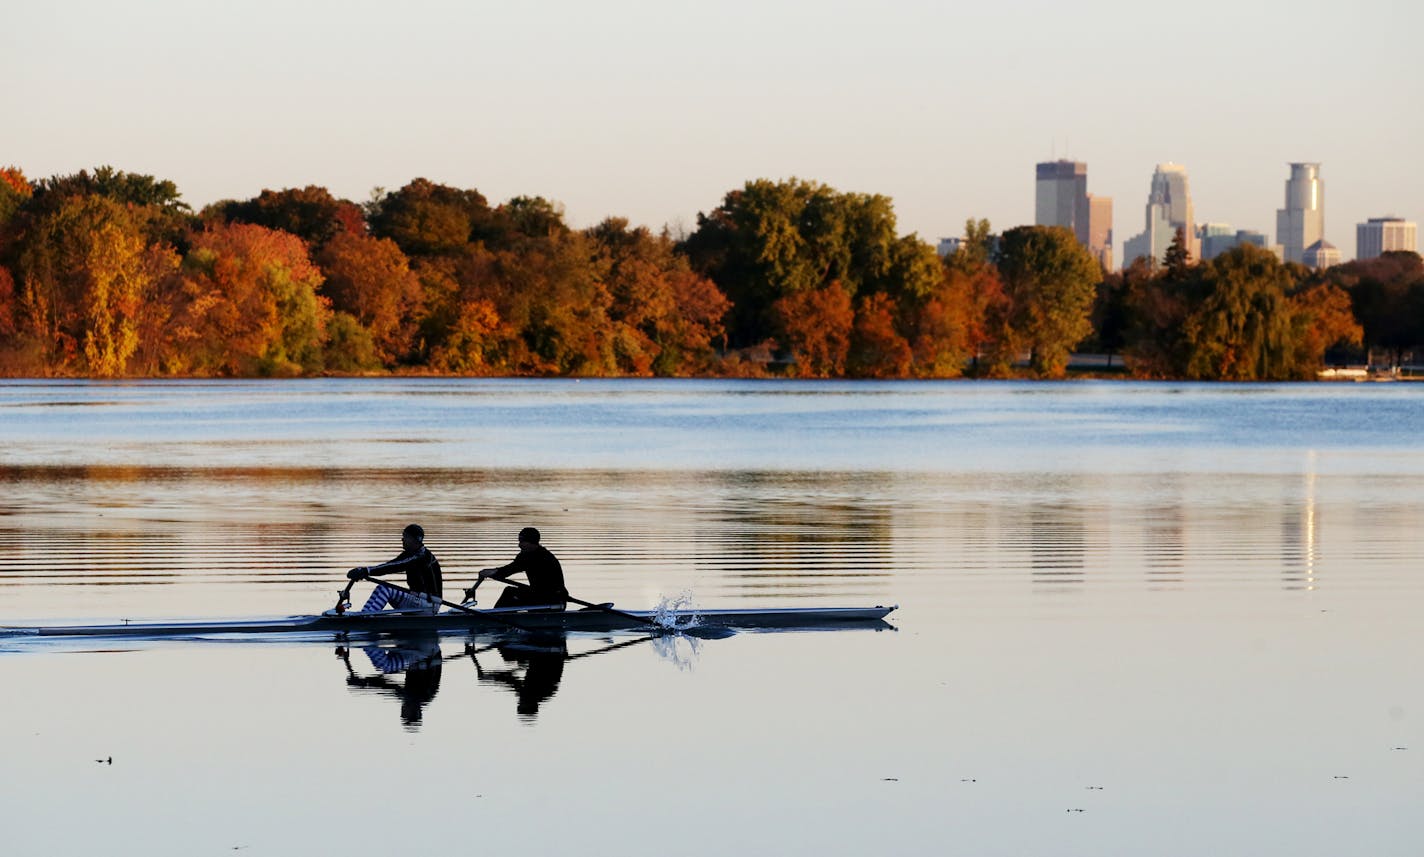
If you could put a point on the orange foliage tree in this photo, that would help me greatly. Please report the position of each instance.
(815, 325)
(370, 279)
(877, 350)
(248, 305)
(665, 316)
(7, 304)
(1324, 319)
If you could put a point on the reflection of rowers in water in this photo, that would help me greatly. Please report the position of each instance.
(534, 664)
(533, 667)
(417, 656)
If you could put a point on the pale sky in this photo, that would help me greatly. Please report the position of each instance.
(654, 109)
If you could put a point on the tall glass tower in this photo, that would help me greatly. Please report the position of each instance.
(1061, 198)
(1302, 222)
(1169, 208)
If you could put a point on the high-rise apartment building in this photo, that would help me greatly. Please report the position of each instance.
(1382, 234)
(1169, 209)
(1061, 198)
(1302, 222)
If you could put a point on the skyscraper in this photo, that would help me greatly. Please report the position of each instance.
(1383, 234)
(1169, 208)
(1302, 222)
(1061, 198)
(1100, 229)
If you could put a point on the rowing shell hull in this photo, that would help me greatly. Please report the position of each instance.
(790, 618)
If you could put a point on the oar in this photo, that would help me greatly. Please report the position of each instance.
(483, 614)
(708, 632)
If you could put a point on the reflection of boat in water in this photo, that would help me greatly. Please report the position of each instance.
(452, 621)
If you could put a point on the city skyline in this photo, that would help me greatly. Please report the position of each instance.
(654, 111)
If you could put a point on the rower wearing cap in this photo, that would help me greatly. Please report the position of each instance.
(422, 576)
(546, 576)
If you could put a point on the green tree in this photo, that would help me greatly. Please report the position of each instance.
(1177, 261)
(155, 204)
(1050, 280)
(1240, 325)
(1387, 295)
(426, 219)
(772, 240)
(975, 251)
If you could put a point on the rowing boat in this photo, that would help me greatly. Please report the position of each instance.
(503, 619)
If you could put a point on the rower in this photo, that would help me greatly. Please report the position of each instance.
(422, 576)
(546, 576)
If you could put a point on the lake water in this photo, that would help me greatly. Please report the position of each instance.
(1162, 619)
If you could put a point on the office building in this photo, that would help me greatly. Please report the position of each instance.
(1169, 208)
(1061, 198)
(1302, 222)
(1217, 238)
(1381, 235)
(1321, 255)
(1100, 231)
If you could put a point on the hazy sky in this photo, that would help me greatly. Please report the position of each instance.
(654, 109)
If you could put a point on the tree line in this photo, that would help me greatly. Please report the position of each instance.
(111, 274)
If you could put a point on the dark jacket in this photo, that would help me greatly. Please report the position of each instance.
(546, 576)
(421, 569)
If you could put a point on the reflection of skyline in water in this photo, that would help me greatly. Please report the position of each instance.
(134, 541)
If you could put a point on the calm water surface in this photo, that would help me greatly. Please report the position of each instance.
(1135, 619)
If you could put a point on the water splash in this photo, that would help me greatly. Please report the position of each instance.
(677, 612)
(678, 650)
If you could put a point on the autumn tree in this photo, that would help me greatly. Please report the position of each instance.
(248, 305)
(667, 317)
(370, 280)
(86, 279)
(14, 190)
(815, 327)
(1323, 319)
(876, 349)
(1050, 280)
(311, 213)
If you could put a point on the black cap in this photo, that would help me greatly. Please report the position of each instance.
(416, 532)
(529, 534)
